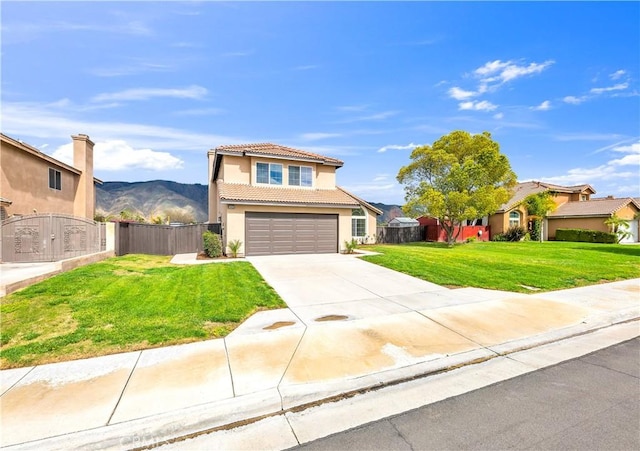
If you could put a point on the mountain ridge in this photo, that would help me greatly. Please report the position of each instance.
(163, 197)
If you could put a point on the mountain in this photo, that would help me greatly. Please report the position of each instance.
(388, 212)
(162, 198)
(153, 198)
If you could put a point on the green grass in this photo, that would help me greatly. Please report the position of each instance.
(509, 266)
(127, 303)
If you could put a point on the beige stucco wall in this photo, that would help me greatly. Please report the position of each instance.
(233, 221)
(235, 169)
(627, 212)
(499, 222)
(325, 177)
(25, 182)
(576, 223)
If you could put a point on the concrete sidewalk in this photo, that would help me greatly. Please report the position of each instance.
(288, 359)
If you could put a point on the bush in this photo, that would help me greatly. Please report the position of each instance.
(471, 239)
(498, 237)
(234, 247)
(212, 244)
(536, 230)
(586, 236)
(350, 246)
(515, 233)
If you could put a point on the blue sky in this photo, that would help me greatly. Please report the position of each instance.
(156, 85)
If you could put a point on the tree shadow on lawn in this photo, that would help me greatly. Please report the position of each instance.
(631, 249)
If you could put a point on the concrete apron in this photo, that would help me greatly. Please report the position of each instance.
(274, 362)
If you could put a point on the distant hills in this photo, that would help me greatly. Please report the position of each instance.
(176, 200)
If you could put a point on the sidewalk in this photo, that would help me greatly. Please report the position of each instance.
(275, 362)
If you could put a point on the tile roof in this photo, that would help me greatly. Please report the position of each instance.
(594, 207)
(362, 202)
(277, 151)
(241, 193)
(525, 189)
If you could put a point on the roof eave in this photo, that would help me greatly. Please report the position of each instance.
(285, 204)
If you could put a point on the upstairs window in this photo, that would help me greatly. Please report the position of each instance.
(300, 176)
(269, 173)
(55, 179)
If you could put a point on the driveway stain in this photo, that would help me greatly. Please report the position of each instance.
(332, 318)
(278, 325)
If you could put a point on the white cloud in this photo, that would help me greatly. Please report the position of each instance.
(307, 67)
(589, 137)
(502, 72)
(398, 147)
(544, 106)
(618, 87)
(117, 155)
(498, 115)
(612, 170)
(381, 178)
(191, 92)
(53, 122)
(483, 105)
(461, 94)
(318, 136)
(371, 117)
(199, 112)
(617, 74)
(631, 148)
(352, 108)
(574, 100)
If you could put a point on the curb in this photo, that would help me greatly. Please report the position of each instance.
(179, 425)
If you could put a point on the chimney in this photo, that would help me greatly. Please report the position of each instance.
(610, 197)
(85, 202)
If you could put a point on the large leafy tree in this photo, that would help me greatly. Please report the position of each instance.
(459, 177)
(538, 207)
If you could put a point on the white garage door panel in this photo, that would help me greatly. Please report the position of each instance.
(290, 233)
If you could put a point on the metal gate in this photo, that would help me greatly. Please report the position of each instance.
(51, 237)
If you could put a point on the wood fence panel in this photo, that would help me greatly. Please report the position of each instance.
(398, 235)
(136, 238)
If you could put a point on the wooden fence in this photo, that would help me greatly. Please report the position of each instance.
(397, 235)
(135, 238)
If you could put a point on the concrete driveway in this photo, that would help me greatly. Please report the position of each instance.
(315, 286)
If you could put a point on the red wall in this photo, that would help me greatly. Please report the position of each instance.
(437, 233)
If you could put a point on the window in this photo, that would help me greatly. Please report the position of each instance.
(300, 176)
(55, 179)
(358, 223)
(514, 219)
(583, 197)
(269, 173)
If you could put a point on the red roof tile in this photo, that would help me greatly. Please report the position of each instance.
(277, 151)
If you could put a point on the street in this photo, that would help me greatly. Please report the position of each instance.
(592, 402)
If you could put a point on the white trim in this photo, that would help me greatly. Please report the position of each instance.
(268, 183)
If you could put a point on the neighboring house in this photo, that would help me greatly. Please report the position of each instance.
(403, 222)
(33, 182)
(592, 214)
(574, 209)
(279, 200)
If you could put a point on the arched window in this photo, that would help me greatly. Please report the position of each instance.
(514, 219)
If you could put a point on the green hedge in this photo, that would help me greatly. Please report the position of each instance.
(586, 236)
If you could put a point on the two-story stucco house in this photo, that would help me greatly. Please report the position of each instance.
(33, 182)
(575, 209)
(280, 200)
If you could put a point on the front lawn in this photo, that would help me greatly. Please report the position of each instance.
(127, 303)
(512, 266)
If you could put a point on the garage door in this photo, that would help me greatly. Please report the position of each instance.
(290, 233)
(633, 232)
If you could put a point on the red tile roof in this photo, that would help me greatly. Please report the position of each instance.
(241, 193)
(276, 151)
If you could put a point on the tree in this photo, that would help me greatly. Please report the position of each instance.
(459, 177)
(538, 207)
(618, 226)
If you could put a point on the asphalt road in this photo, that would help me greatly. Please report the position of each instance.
(590, 403)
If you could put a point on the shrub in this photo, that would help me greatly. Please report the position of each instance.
(471, 239)
(234, 247)
(586, 236)
(212, 244)
(515, 233)
(350, 246)
(536, 230)
(498, 237)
